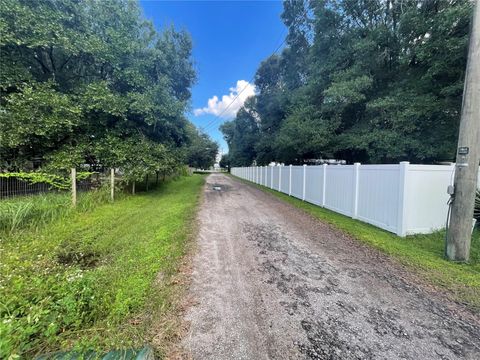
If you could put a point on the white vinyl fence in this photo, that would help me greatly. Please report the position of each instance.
(401, 198)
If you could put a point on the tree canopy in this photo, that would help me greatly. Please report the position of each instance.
(91, 82)
(373, 81)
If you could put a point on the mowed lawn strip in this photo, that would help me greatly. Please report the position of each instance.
(421, 253)
(92, 280)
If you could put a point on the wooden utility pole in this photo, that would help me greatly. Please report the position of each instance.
(468, 153)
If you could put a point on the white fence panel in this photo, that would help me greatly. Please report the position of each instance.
(339, 189)
(426, 197)
(314, 184)
(297, 181)
(275, 177)
(401, 198)
(378, 187)
(285, 183)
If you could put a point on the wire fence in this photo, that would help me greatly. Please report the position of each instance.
(15, 186)
(94, 181)
(12, 186)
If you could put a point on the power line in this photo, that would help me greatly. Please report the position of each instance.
(218, 118)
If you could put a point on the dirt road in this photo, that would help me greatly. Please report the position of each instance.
(270, 282)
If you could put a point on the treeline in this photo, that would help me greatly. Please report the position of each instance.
(374, 81)
(91, 82)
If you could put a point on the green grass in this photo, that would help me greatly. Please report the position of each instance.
(421, 253)
(38, 210)
(84, 280)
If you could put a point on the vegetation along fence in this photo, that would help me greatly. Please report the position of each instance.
(32, 183)
(24, 183)
(401, 198)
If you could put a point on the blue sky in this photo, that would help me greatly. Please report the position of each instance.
(230, 39)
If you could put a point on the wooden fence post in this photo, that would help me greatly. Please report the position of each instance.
(112, 184)
(73, 177)
(133, 187)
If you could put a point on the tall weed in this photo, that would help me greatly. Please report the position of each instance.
(38, 210)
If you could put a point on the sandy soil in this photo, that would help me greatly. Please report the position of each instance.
(270, 282)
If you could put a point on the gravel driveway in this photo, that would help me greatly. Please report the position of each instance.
(270, 282)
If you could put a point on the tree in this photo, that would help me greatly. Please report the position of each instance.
(241, 134)
(371, 81)
(225, 162)
(84, 76)
(202, 151)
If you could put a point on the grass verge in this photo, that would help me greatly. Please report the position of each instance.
(421, 253)
(38, 210)
(96, 279)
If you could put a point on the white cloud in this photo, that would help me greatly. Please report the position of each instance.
(221, 107)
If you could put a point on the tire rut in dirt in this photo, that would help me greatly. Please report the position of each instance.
(312, 290)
